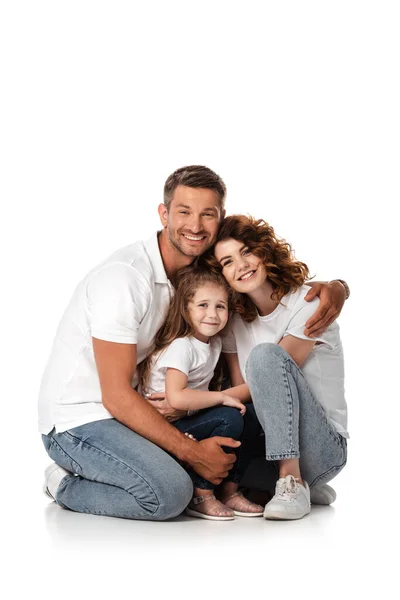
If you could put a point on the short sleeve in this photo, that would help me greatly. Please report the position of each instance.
(178, 355)
(118, 299)
(228, 340)
(297, 323)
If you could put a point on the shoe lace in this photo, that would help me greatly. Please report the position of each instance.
(288, 487)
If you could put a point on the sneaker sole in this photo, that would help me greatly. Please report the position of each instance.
(46, 492)
(280, 517)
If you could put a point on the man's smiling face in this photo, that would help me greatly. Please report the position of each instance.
(192, 220)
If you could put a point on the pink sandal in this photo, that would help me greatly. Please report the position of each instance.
(244, 503)
(199, 500)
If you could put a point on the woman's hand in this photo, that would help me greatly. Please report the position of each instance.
(160, 403)
(332, 296)
(233, 402)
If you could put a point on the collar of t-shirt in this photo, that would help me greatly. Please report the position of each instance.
(153, 252)
(201, 346)
(270, 316)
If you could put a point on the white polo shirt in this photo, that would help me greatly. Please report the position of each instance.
(122, 300)
(324, 366)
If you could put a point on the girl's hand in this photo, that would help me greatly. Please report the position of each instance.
(233, 402)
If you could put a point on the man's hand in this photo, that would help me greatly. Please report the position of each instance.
(159, 402)
(332, 296)
(210, 461)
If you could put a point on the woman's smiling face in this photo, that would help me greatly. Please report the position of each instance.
(244, 271)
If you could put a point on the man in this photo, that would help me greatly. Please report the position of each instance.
(115, 453)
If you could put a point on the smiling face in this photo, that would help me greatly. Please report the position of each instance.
(244, 271)
(192, 219)
(208, 311)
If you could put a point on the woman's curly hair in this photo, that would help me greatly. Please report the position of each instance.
(284, 272)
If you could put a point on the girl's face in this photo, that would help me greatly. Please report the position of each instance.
(244, 271)
(208, 311)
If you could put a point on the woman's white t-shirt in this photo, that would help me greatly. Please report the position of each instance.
(196, 359)
(323, 368)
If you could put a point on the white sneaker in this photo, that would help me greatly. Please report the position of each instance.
(322, 494)
(53, 476)
(291, 500)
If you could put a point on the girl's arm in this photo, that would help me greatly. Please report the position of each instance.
(179, 396)
(297, 348)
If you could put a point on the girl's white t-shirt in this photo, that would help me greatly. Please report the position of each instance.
(323, 368)
(196, 359)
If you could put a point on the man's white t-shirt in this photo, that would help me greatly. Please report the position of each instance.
(122, 300)
(323, 368)
(196, 359)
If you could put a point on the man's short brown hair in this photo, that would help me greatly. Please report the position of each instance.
(195, 176)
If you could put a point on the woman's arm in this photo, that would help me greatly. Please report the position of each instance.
(240, 389)
(180, 396)
(297, 348)
(235, 374)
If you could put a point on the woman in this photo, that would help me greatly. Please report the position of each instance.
(296, 383)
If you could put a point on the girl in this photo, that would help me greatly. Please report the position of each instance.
(182, 363)
(296, 383)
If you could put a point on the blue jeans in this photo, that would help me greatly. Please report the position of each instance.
(294, 422)
(119, 473)
(227, 422)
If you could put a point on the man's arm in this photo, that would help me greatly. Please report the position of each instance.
(332, 297)
(116, 364)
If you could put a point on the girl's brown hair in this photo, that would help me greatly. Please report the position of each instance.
(284, 272)
(177, 321)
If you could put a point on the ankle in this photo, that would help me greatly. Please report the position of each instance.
(199, 492)
(227, 489)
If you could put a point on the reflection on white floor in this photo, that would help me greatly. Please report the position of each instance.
(69, 528)
(339, 549)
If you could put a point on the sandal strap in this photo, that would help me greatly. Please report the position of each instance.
(234, 496)
(201, 499)
(244, 502)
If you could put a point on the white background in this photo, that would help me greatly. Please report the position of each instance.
(296, 106)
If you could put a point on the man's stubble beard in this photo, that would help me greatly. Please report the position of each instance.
(175, 242)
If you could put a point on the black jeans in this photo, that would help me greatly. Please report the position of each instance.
(227, 422)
